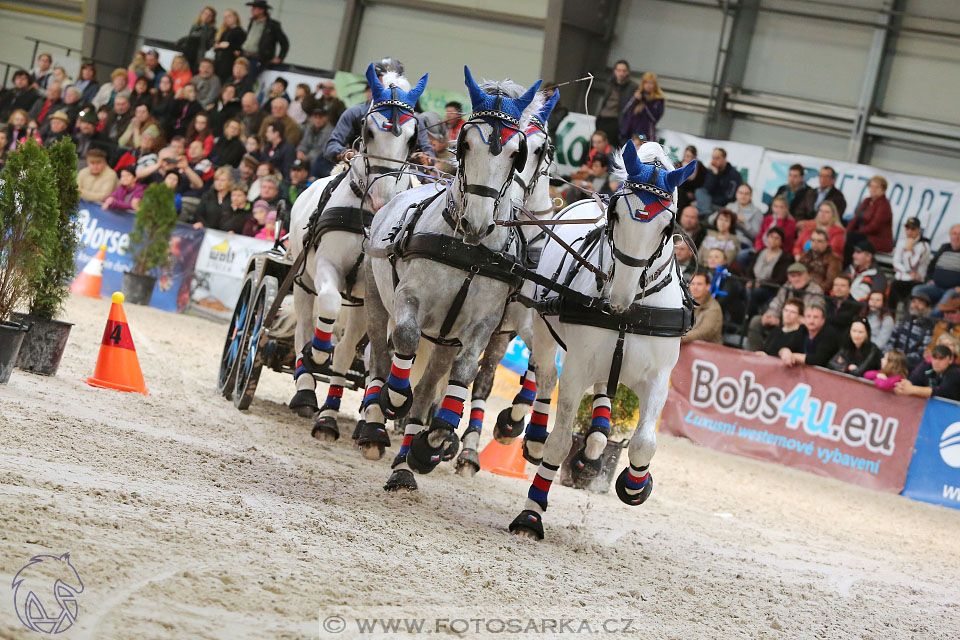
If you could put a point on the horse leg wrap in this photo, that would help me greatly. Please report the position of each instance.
(305, 398)
(322, 342)
(540, 487)
(526, 396)
(398, 397)
(372, 432)
(306, 363)
(530, 521)
(537, 429)
(634, 485)
(327, 421)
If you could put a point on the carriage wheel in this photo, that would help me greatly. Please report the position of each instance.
(251, 356)
(231, 346)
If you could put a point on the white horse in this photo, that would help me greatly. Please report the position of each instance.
(333, 240)
(438, 265)
(641, 303)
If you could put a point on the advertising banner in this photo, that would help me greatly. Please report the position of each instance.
(935, 202)
(803, 417)
(112, 229)
(934, 474)
(221, 265)
(573, 140)
(747, 158)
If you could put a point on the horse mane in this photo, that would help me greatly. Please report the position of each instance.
(539, 99)
(393, 78)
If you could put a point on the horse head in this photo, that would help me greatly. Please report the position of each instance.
(640, 219)
(389, 131)
(491, 147)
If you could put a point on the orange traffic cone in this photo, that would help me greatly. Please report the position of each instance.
(117, 365)
(504, 460)
(89, 281)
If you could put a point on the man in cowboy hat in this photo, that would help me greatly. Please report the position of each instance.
(59, 122)
(86, 136)
(264, 34)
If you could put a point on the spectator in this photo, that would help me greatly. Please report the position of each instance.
(826, 192)
(454, 121)
(277, 89)
(86, 137)
(109, 90)
(789, 332)
(229, 44)
(72, 103)
(252, 117)
(879, 317)
(302, 105)
(943, 274)
(872, 221)
(619, 90)
(313, 140)
(33, 131)
(141, 123)
(234, 219)
(334, 105)
(686, 192)
(87, 84)
(690, 223)
(795, 191)
(21, 96)
(215, 202)
(48, 105)
(299, 180)
(724, 238)
(767, 270)
(727, 289)
(201, 38)
(119, 119)
(96, 181)
(684, 256)
(915, 332)
(263, 169)
(138, 69)
(444, 159)
(864, 273)
(708, 321)
(720, 184)
(287, 125)
(227, 107)
(819, 344)
(144, 156)
(596, 178)
(207, 84)
(643, 110)
(127, 196)
(228, 150)
(43, 72)
(858, 354)
(748, 217)
(246, 173)
(893, 369)
(257, 222)
(252, 147)
(155, 70)
(911, 259)
(828, 221)
(270, 191)
(951, 320)
(598, 145)
(779, 216)
(820, 261)
(199, 129)
(195, 172)
(162, 101)
(172, 180)
(242, 79)
(941, 380)
(799, 285)
(183, 110)
(59, 123)
(278, 151)
(841, 307)
(141, 93)
(16, 128)
(264, 34)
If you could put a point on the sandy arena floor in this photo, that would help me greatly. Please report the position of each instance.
(188, 519)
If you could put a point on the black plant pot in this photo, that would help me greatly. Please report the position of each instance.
(138, 289)
(11, 336)
(610, 457)
(43, 345)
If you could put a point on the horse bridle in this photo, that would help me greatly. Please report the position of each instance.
(396, 108)
(547, 151)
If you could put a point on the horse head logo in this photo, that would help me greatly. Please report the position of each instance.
(45, 594)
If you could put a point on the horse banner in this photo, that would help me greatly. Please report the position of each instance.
(936, 202)
(803, 417)
(99, 227)
(747, 158)
(573, 140)
(221, 267)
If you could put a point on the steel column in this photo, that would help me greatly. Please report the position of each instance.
(349, 34)
(733, 51)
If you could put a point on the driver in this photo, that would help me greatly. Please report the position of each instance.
(348, 127)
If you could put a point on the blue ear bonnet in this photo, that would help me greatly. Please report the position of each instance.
(540, 119)
(651, 184)
(497, 106)
(392, 101)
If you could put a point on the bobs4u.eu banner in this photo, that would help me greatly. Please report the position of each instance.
(822, 422)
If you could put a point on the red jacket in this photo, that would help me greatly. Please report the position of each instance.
(836, 234)
(874, 219)
(789, 227)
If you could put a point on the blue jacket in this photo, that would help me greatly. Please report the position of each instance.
(348, 130)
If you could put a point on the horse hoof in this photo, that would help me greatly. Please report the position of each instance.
(528, 524)
(529, 457)
(401, 480)
(325, 429)
(304, 403)
(389, 409)
(468, 463)
(423, 458)
(371, 451)
(635, 499)
(450, 447)
(356, 430)
(582, 469)
(506, 429)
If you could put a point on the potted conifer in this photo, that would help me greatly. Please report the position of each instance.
(624, 408)
(152, 227)
(28, 214)
(44, 343)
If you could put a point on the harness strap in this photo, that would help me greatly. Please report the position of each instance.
(483, 191)
(454, 311)
(351, 281)
(613, 381)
